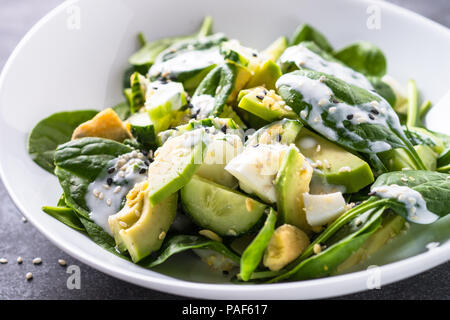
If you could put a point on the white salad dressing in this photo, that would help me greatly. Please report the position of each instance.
(186, 60)
(105, 194)
(202, 105)
(411, 199)
(319, 96)
(305, 58)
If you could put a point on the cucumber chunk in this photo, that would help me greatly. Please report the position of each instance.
(220, 209)
(143, 130)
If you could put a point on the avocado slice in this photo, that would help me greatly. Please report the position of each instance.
(284, 131)
(398, 159)
(390, 227)
(291, 183)
(220, 209)
(274, 50)
(175, 163)
(146, 235)
(265, 104)
(338, 169)
(266, 74)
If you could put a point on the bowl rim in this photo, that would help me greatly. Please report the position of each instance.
(395, 271)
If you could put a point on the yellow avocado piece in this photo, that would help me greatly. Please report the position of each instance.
(105, 124)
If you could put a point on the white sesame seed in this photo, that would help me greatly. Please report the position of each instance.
(361, 120)
(107, 187)
(327, 164)
(345, 169)
(383, 110)
(322, 102)
(3, 261)
(318, 148)
(117, 189)
(317, 248)
(123, 224)
(24, 219)
(137, 213)
(322, 78)
(304, 114)
(317, 119)
(121, 174)
(162, 235)
(19, 260)
(62, 262)
(332, 110)
(108, 202)
(288, 108)
(412, 200)
(134, 154)
(404, 179)
(101, 196)
(374, 103)
(412, 178)
(37, 261)
(96, 193)
(29, 276)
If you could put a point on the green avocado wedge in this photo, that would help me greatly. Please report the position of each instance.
(147, 234)
(175, 164)
(220, 209)
(336, 166)
(290, 183)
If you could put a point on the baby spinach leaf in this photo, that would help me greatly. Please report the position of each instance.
(218, 84)
(180, 243)
(434, 187)
(349, 115)
(79, 162)
(383, 89)
(305, 32)
(122, 110)
(53, 131)
(65, 215)
(254, 252)
(364, 57)
(188, 60)
(150, 50)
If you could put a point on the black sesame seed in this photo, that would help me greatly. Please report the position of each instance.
(111, 170)
(350, 117)
(357, 203)
(190, 105)
(224, 129)
(371, 116)
(374, 111)
(225, 272)
(278, 137)
(172, 77)
(254, 54)
(109, 181)
(260, 97)
(146, 163)
(143, 170)
(372, 193)
(335, 101)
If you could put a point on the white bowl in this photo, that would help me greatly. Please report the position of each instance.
(59, 67)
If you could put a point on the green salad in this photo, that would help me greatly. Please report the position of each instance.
(295, 162)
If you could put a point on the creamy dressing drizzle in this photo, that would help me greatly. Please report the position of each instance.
(411, 199)
(319, 96)
(202, 105)
(104, 200)
(187, 60)
(305, 58)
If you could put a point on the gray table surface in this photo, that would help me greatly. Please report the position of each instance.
(50, 279)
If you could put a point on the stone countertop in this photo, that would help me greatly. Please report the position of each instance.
(19, 238)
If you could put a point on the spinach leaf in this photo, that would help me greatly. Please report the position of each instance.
(349, 115)
(218, 85)
(383, 89)
(53, 131)
(100, 237)
(147, 55)
(254, 252)
(79, 162)
(65, 215)
(189, 60)
(305, 32)
(434, 187)
(180, 243)
(122, 110)
(364, 57)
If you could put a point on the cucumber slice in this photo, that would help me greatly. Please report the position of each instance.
(220, 209)
(143, 130)
(162, 100)
(175, 164)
